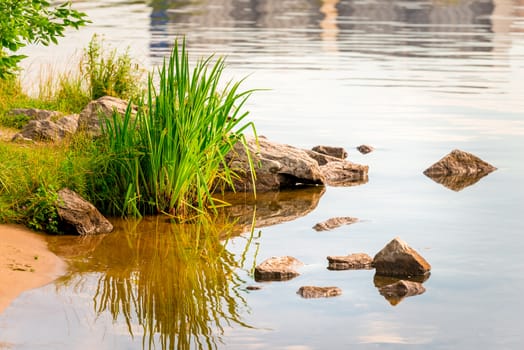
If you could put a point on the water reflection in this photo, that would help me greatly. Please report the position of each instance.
(395, 297)
(177, 284)
(457, 182)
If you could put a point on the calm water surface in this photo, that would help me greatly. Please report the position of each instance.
(415, 79)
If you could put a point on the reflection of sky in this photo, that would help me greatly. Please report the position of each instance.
(415, 93)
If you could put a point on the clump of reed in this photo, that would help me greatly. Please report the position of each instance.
(170, 156)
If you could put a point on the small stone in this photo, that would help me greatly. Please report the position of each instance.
(333, 223)
(399, 260)
(396, 292)
(365, 149)
(337, 152)
(318, 292)
(253, 287)
(277, 269)
(357, 261)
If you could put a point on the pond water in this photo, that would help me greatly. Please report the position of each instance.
(415, 79)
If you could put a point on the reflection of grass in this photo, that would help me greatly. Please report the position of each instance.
(177, 281)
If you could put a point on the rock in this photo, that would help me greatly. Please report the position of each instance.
(318, 292)
(253, 287)
(96, 110)
(333, 223)
(81, 215)
(336, 152)
(399, 260)
(35, 114)
(277, 269)
(365, 149)
(344, 173)
(357, 261)
(459, 163)
(277, 166)
(46, 130)
(396, 292)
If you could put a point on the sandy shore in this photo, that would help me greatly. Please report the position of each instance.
(25, 263)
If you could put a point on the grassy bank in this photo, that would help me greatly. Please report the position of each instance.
(168, 158)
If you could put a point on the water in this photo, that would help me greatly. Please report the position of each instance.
(415, 79)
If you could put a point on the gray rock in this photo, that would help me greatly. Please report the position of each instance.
(333, 223)
(399, 260)
(365, 149)
(459, 163)
(318, 292)
(336, 152)
(357, 261)
(46, 130)
(277, 269)
(396, 292)
(95, 112)
(35, 114)
(82, 216)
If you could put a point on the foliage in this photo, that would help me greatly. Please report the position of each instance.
(41, 210)
(31, 21)
(108, 73)
(170, 156)
(30, 175)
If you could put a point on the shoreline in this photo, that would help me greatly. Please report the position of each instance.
(25, 263)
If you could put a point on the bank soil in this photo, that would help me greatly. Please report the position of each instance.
(25, 263)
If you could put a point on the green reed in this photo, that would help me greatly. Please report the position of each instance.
(170, 156)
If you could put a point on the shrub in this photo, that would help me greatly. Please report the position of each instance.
(170, 156)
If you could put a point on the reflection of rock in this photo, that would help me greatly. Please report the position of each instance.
(457, 182)
(365, 149)
(355, 261)
(277, 269)
(80, 215)
(280, 166)
(333, 223)
(399, 260)
(396, 292)
(337, 152)
(318, 292)
(271, 208)
(382, 281)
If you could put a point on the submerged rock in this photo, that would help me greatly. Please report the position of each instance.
(318, 292)
(333, 223)
(94, 113)
(399, 260)
(47, 130)
(365, 149)
(277, 269)
(336, 152)
(357, 261)
(80, 215)
(396, 292)
(459, 163)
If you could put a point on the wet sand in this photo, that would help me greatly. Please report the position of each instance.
(25, 263)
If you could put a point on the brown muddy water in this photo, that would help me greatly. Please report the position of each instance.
(415, 79)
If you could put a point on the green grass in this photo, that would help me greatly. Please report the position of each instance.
(169, 158)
